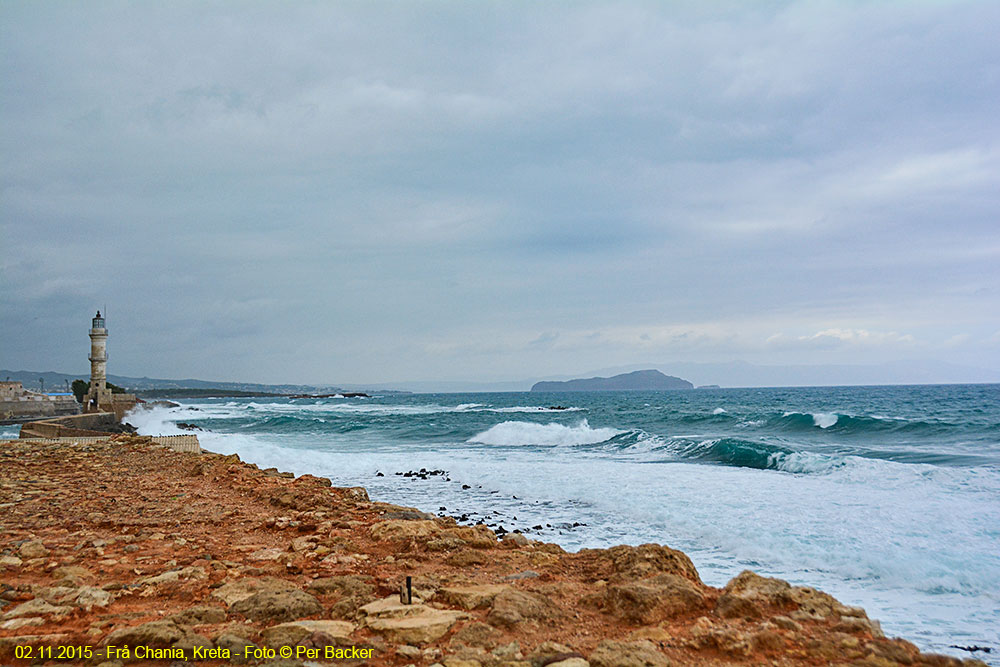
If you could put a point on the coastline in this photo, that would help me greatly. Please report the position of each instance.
(125, 542)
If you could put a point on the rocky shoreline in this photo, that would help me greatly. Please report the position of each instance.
(203, 559)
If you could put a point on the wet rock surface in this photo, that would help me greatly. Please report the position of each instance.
(124, 542)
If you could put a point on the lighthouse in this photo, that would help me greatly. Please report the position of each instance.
(99, 396)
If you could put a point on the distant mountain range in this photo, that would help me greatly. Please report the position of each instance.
(59, 381)
(645, 380)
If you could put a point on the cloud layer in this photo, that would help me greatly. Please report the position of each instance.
(376, 192)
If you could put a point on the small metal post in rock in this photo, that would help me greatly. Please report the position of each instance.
(406, 591)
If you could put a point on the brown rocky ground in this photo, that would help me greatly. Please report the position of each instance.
(124, 543)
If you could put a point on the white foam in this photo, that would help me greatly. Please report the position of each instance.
(825, 419)
(820, 419)
(156, 421)
(807, 462)
(513, 433)
(719, 411)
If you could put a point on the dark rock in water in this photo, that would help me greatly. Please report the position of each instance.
(466, 487)
(189, 427)
(119, 428)
(379, 474)
(648, 380)
(163, 404)
(423, 473)
(973, 649)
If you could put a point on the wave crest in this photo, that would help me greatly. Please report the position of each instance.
(515, 433)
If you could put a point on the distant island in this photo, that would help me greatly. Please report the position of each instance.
(648, 380)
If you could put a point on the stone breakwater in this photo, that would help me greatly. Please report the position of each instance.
(195, 556)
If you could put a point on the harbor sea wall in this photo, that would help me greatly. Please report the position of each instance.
(92, 424)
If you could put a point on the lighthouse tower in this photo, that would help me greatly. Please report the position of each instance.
(99, 396)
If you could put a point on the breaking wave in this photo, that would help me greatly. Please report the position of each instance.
(515, 433)
(859, 425)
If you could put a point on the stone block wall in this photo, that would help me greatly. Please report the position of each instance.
(30, 404)
(93, 424)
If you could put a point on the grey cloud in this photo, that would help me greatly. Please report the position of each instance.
(389, 186)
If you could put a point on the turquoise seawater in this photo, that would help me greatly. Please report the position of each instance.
(886, 497)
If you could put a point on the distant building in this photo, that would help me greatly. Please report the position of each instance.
(18, 403)
(99, 398)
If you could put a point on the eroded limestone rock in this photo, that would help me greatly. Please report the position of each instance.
(646, 560)
(749, 595)
(640, 653)
(241, 589)
(200, 615)
(319, 633)
(403, 529)
(277, 606)
(409, 623)
(156, 634)
(22, 622)
(470, 597)
(653, 600)
(32, 549)
(511, 607)
(37, 607)
(477, 634)
(347, 585)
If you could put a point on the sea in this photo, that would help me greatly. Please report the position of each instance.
(887, 497)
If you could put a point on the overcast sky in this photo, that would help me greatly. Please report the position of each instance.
(378, 191)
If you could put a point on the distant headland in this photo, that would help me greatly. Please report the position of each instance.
(647, 380)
